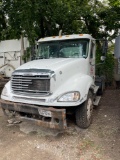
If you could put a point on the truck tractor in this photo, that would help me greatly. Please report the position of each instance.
(60, 81)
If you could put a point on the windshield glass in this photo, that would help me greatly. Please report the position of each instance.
(63, 49)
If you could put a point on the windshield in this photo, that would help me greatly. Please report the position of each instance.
(63, 49)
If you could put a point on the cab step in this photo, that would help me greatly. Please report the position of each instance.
(96, 89)
(96, 101)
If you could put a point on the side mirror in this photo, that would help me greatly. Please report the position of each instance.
(104, 48)
(102, 58)
(117, 47)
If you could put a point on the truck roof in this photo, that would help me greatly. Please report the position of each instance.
(65, 37)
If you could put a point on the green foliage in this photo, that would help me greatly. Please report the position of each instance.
(109, 67)
(105, 68)
(27, 54)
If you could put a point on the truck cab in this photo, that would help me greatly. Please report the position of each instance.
(60, 79)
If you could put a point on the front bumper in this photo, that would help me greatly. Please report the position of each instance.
(56, 121)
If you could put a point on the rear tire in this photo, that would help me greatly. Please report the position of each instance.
(83, 112)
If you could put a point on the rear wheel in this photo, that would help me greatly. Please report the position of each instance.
(84, 112)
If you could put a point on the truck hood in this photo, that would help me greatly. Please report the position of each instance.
(55, 64)
(65, 69)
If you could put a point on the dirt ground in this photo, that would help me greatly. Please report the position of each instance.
(101, 141)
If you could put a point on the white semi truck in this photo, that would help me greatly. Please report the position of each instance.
(60, 80)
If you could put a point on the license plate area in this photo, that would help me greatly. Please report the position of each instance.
(44, 113)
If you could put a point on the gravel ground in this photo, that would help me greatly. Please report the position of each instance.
(101, 141)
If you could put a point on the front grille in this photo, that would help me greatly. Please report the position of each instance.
(31, 85)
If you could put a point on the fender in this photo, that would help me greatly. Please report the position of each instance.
(79, 82)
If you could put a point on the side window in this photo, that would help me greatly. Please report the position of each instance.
(92, 50)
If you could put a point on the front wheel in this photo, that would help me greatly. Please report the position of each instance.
(83, 112)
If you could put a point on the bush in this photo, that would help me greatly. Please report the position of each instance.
(105, 68)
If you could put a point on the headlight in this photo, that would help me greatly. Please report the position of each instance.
(4, 91)
(70, 97)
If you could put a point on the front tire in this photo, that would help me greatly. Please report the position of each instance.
(84, 112)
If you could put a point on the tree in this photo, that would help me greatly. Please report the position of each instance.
(2, 21)
(38, 18)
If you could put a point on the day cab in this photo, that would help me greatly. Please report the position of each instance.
(60, 81)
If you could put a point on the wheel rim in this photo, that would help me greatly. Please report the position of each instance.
(89, 108)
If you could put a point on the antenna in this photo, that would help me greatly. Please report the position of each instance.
(60, 33)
